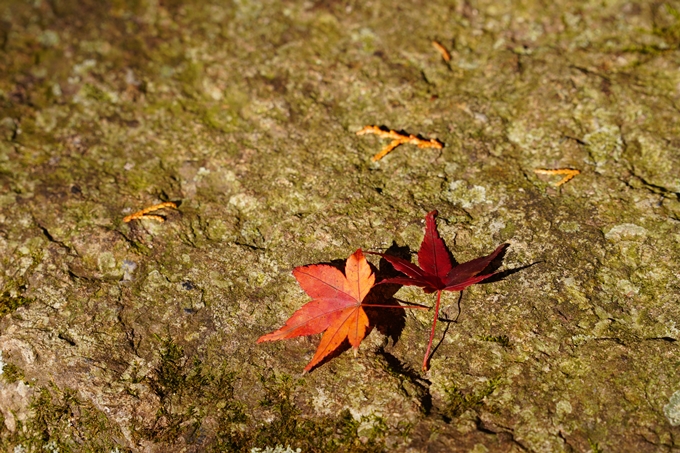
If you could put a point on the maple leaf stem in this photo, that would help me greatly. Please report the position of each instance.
(434, 325)
(416, 307)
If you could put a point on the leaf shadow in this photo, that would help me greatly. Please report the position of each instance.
(389, 322)
(448, 323)
(506, 273)
(421, 385)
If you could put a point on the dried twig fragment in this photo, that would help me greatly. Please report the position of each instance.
(442, 50)
(567, 172)
(397, 139)
(143, 213)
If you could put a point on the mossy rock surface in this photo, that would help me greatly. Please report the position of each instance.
(141, 336)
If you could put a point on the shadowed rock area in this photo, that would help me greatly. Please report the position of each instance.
(140, 336)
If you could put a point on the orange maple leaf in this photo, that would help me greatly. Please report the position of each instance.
(336, 306)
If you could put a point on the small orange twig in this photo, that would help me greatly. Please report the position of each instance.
(568, 172)
(442, 50)
(143, 213)
(398, 139)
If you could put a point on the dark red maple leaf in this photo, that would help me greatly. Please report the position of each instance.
(436, 271)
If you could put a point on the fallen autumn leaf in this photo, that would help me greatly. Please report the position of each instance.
(437, 273)
(336, 306)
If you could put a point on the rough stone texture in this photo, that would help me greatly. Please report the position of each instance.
(140, 337)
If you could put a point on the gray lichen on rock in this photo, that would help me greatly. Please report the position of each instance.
(672, 409)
